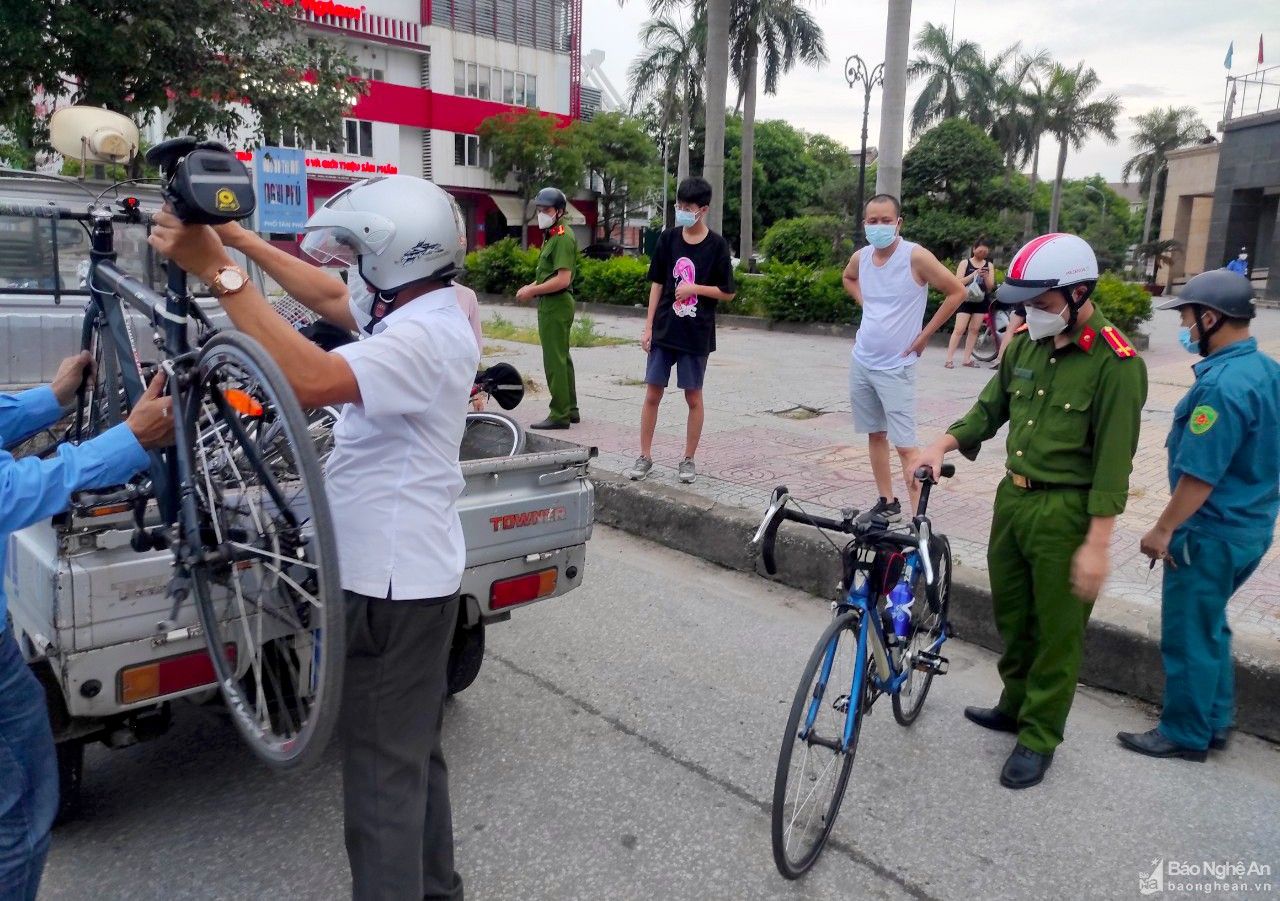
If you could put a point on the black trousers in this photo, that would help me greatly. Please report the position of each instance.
(395, 784)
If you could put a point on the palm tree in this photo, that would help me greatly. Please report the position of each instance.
(949, 69)
(717, 82)
(1073, 117)
(1159, 131)
(1035, 106)
(1007, 119)
(897, 42)
(669, 70)
(777, 33)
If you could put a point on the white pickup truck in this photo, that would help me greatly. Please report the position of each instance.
(85, 605)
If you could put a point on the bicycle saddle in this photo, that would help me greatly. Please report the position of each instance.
(207, 185)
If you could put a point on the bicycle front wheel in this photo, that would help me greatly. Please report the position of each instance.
(491, 435)
(266, 583)
(815, 761)
(987, 344)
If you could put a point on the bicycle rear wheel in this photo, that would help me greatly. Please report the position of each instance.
(814, 764)
(267, 586)
(987, 344)
(928, 625)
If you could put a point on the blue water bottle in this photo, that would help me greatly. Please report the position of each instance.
(900, 601)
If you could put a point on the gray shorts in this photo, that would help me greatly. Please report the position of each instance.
(884, 400)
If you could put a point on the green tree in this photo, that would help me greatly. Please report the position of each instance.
(772, 35)
(616, 150)
(949, 69)
(528, 147)
(953, 189)
(215, 68)
(1075, 116)
(787, 179)
(669, 71)
(1159, 131)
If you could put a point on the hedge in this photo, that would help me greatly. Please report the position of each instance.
(503, 268)
(812, 240)
(1126, 304)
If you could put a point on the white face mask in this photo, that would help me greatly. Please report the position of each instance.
(1041, 324)
(545, 221)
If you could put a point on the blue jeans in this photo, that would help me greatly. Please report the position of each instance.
(28, 775)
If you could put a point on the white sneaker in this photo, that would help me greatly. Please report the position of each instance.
(640, 468)
(688, 472)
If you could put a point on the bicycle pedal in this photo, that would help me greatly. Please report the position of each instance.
(931, 663)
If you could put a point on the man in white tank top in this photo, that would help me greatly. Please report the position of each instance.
(890, 281)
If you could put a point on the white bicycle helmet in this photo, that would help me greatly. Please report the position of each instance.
(397, 229)
(1056, 260)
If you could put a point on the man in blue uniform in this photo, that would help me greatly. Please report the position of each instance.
(1224, 469)
(30, 490)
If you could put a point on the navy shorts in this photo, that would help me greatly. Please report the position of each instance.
(690, 368)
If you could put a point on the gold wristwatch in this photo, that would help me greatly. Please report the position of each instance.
(228, 280)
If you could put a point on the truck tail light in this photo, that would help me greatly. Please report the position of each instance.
(172, 674)
(520, 589)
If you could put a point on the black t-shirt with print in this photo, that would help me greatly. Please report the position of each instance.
(689, 326)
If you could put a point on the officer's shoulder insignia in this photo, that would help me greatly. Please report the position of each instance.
(1202, 419)
(1118, 343)
(1020, 329)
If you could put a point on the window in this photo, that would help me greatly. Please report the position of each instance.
(359, 138)
(492, 83)
(467, 152)
(373, 74)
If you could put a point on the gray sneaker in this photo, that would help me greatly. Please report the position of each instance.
(640, 469)
(688, 472)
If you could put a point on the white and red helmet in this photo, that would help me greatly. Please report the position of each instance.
(1056, 260)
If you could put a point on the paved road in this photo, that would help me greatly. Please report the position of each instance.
(748, 448)
(620, 743)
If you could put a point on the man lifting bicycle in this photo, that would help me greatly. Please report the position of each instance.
(393, 479)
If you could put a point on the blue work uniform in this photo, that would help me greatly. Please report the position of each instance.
(1226, 432)
(30, 490)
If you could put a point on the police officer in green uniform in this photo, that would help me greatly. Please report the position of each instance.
(1224, 469)
(1072, 389)
(557, 263)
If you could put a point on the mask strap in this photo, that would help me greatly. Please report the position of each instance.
(1206, 332)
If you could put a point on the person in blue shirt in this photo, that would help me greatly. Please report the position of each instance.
(30, 490)
(1240, 265)
(1224, 472)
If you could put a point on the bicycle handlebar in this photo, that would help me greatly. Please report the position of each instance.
(51, 210)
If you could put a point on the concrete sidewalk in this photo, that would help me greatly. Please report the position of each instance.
(778, 413)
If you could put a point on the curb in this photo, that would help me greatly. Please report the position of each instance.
(1140, 340)
(1117, 657)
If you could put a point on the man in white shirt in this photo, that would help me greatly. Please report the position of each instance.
(890, 281)
(393, 481)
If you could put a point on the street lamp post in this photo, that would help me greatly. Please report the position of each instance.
(855, 71)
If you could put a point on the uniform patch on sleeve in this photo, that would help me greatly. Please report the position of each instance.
(1202, 419)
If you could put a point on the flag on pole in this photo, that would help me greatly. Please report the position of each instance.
(1231, 48)
(1259, 49)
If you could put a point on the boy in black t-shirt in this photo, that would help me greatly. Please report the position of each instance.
(690, 273)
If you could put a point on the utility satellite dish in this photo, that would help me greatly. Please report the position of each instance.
(93, 135)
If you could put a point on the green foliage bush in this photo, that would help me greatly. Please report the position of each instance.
(501, 268)
(1126, 304)
(620, 280)
(793, 292)
(812, 240)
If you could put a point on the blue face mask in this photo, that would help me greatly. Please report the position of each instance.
(881, 236)
(1189, 344)
(686, 218)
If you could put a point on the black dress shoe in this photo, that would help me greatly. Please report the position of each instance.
(1220, 740)
(991, 718)
(575, 418)
(1154, 744)
(1024, 768)
(550, 423)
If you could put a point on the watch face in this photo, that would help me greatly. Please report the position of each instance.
(231, 279)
